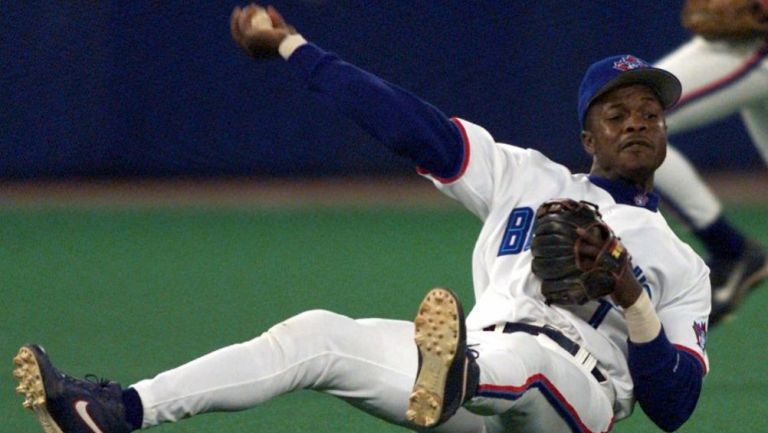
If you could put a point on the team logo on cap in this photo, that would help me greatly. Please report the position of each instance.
(700, 329)
(628, 63)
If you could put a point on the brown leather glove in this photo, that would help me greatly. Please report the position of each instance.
(575, 253)
(726, 19)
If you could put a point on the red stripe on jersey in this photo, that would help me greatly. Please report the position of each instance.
(695, 354)
(465, 159)
(756, 58)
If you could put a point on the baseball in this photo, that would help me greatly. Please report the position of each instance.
(261, 20)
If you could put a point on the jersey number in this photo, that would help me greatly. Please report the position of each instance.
(517, 236)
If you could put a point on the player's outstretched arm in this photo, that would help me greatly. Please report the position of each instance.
(400, 120)
(258, 31)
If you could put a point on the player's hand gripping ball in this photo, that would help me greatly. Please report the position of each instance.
(259, 31)
(575, 253)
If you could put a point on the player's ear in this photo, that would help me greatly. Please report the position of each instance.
(588, 141)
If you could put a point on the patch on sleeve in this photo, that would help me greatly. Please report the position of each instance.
(700, 329)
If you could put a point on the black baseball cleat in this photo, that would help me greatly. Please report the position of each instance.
(64, 404)
(732, 280)
(448, 373)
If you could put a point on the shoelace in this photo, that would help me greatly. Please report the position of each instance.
(98, 381)
(103, 389)
(472, 353)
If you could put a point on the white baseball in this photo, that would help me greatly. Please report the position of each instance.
(261, 20)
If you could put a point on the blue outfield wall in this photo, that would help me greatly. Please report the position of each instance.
(151, 88)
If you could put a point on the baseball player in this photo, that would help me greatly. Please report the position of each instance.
(723, 71)
(525, 358)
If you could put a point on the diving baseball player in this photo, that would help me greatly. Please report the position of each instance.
(539, 351)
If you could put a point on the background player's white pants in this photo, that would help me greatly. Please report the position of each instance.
(712, 69)
(370, 363)
(679, 181)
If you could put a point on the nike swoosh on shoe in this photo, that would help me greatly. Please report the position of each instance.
(81, 408)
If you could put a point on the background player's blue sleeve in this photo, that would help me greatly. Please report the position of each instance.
(406, 124)
(667, 381)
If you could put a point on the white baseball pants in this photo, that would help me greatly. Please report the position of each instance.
(371, 364)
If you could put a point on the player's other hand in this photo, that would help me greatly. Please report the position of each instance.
(256, 39)
(627, 288)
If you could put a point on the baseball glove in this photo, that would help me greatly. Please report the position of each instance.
(733, 19)
(575, 253)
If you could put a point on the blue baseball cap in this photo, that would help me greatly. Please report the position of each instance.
(612, 72)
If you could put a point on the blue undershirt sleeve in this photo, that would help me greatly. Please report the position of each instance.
(667, 381)
(404, 123)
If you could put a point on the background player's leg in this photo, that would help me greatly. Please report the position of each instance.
(755, 118)
(682, 186)
(718, 80)
(535, 386)
(736, 263)
(691, 198)
(370, 363)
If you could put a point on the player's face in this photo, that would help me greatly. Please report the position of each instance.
(626, 135)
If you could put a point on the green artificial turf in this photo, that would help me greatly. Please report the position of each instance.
(127, 293)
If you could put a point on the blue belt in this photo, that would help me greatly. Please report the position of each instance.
(558, 337)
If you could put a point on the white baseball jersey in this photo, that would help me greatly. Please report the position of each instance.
(504, 185)
(527, 383)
